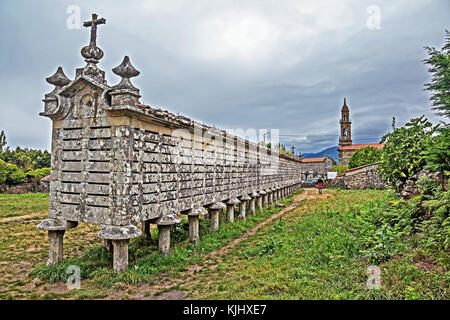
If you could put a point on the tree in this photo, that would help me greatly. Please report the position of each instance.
(364, 156)
(439, 61)
(402, 155)
(437, 153)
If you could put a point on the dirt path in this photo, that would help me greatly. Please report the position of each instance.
(214, 258)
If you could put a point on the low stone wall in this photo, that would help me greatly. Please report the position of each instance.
(364, 177)
(410, 187)
(28, 187)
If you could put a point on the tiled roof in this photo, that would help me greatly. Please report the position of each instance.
(359, 146)
(314, 160)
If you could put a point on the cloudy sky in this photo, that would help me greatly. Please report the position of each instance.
(281, 64)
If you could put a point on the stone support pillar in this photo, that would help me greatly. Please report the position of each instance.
(264, 198)
(242, 206)
(164, 223)
(56, 229)
(230, 208)
(193, 219)
(214, 211)
(120, 254)
(119, 237)
(252, 209)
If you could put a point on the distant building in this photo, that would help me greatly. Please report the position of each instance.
(316, 167)
(345, 146)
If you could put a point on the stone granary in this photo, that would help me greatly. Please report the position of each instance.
(118, 163)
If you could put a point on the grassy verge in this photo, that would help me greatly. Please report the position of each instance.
(146, 264)
(320, 251)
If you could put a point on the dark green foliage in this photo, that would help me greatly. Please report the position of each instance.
(439, 62)
(402, 156)
(437, 153)
(436, 223)
(38, 174)
(364, 156)
(26, 159)
(9, 173)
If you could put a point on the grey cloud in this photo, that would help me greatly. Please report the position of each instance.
(308, 57)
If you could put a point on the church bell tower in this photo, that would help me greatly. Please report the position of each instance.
(345, 137)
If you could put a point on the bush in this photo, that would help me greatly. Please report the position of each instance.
(4, 172)
(38, 174)
(16, 175)
(364, 156)
(9, 173)
(402, 153)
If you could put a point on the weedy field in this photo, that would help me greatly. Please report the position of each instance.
(316, 247)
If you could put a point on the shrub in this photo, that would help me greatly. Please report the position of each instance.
(16, 175)
(364, 156)
(3, 171)
(402, 153)
(437, 154)
(38, 174)
(9, 173)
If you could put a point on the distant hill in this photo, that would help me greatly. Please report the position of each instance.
(331, 150)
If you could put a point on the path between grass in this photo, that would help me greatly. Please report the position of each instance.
(166, 288)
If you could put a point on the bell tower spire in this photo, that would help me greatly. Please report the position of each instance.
(345, 137)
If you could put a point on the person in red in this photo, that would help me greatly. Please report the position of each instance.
(320, 185)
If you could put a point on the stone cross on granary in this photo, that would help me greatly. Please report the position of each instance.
(93, 24)
(92, 53)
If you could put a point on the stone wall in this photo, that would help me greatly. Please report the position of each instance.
(28, 187)
(410, 187)
(363, 177)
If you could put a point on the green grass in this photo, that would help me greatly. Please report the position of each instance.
(12, 205)
(315, 253)
(145, 262)
(320, 250)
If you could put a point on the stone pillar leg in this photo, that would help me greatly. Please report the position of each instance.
(230, 212)
(55, 249)
(120, 255)
(164, 239)
(242, 210)
(193, 229)
(214, 219)
(107, 244)
(145, 228)
(243, 206)
(119, 237)
(251, 210)
(258, 203)
(214, 211)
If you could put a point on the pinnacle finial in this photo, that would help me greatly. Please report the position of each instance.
(58, 79)
(126, 71)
